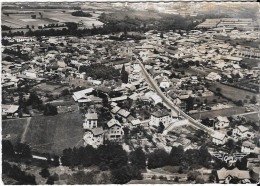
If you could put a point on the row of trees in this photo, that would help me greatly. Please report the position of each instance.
(36, 103)
(100, 71)
(178, 156)
(80, 13)
(17, 174)
(108, 157)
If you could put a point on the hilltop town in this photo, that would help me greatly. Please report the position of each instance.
(158, 106)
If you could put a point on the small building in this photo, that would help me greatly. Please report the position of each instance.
(213, 76)
(219, 138)
(242, 132)
(160, 116)
(123, 114)
(10, 111)
(225, 176)
(115, 130)
(90, 121)
(247, 147)
(221, 122)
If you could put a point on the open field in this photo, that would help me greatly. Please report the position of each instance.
(252, 117)
(54, 89)
(223, 112)
(231, 92)
(55, 133)
(20, 19)
(251, 62)
(14, 128)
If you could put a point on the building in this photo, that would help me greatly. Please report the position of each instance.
(90, 121)
(94, 137)
(221, 122)
(213, 76)
(225, 176)
(81, 96)
(115, 130)
(242, 132)
(160, 116)
(247, 147)
(10, 111)
(219, 138)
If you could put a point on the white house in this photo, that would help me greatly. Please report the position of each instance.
(242, 132)
(90, 121)
(160, 116)
(163, 82)
(213, 76)
(115, 130)
(247, 147)
(221, 122)
(219, 138)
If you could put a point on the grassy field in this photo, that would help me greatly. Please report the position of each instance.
(54, 133)
(252, 117)
(223, 112)
(231, 92)
(251, 62)
(14, 128)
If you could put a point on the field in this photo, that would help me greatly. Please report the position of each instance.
(252, 117)
(223, 112)
(231, 92)
(251, 62)
(14, 128)
(54, 89)
(20, 19)
(55, 133)
(47, 133)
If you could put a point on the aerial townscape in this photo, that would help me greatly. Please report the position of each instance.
(130, 93)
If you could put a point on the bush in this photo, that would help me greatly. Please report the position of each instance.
(44, 173)
(200, 180)
(50, 110)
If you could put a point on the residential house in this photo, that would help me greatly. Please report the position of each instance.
(90, 121)
(123, 114)
(225, 176)
(213, 76)
(163, 82)
(10, 111)
(81, 96)
(94, 137)
(219, 138)
(242, 132)
(247, 147)
(115, 130)
(221, 122)
(160, 116)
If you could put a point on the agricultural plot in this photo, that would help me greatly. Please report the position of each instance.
(55, 133)
(14, 129)
(223, 112)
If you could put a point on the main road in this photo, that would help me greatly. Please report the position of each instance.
(169, 103)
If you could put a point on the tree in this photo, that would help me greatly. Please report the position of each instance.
(176, 155)
(124, 75)
(212, 178)
(138, 158)
(23, 150)
(161, 35)
(200, 180)
(45, 173)
(158, 158)
(253, 100)
(50, 181)
(50, 110)
(192, 175)
(121, 175)
(161, 127)
(189, 103)
(231, 145)
(72, 25)
(7, 149)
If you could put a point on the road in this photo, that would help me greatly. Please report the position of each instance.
(26, 130)
(169, 103)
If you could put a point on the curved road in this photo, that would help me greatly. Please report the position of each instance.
(169, 103)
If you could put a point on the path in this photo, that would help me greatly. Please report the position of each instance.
(26, 129)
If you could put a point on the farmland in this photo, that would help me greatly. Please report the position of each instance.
(47, 133)
(22, 19)
(54, 133)
(214, 113)
(14, 128)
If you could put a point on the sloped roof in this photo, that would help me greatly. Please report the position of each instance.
(240, 174)
(123, 113)
(160, 113)
(10, 108)
(82, 94)
(242, 128)
(91, 116)
(115, 109)
(218, 135)
(222, 119)
(97, 131)
(248, 144)
(113, 122)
